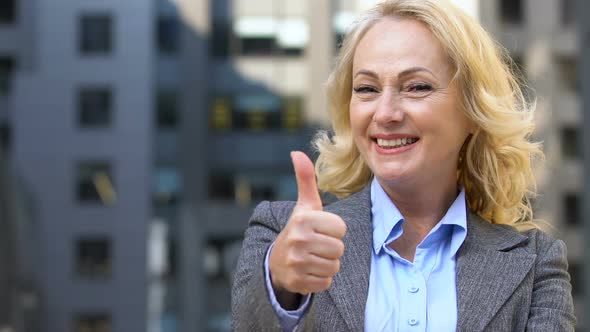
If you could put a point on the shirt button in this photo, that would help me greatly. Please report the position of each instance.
(413, 321)
(413, 289)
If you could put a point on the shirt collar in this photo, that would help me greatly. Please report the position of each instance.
(387, 219)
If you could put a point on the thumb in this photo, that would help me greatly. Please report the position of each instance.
(308, 196)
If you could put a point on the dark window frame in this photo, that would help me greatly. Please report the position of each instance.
(571, 147)
(98, 248)
(167, 109)
(94, 38)
(88, 96)
(512, 11)
(92, 321)
(568, 12)
(86, 191)
(7, 68)
(168, 29)
(572, 208)
(8, 12)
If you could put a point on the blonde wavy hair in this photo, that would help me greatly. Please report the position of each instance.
(496, 161)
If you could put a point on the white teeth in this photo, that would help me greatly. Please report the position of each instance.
(396, 143)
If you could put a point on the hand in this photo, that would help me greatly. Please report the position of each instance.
(306, 254)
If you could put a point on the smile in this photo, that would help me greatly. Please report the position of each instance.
(395, 143)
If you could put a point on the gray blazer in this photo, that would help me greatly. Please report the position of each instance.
(506, 280)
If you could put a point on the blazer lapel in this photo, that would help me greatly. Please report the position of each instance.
(487, 271)
(351, 285)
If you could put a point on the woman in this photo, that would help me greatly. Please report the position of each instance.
(431, 157)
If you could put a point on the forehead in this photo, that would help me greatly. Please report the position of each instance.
(394, 44)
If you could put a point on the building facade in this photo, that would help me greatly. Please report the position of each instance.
(146, 131)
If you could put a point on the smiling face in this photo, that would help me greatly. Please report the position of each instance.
(404, 109)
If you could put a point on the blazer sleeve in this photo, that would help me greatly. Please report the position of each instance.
(251, 306)
(552, 306)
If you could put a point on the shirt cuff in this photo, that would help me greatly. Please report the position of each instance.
(287, 318)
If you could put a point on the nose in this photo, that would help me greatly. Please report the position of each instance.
(389, 108)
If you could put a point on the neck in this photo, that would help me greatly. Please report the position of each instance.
(422, 206)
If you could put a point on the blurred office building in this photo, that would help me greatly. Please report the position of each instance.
(146, 130)
(543, 40)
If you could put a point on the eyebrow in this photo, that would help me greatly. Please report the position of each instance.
(406, 72)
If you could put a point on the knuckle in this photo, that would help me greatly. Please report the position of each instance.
(294, 261)
(296, 219)
(298, 240)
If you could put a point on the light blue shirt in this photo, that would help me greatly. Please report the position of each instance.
(403, 295)
(419, 295)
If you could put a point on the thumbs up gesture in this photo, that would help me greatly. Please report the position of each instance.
(306, 254)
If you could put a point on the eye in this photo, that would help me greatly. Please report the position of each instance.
(419, 88)
(364, 89)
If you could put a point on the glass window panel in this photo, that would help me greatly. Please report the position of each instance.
(7, 11)
(7, 65)
(511, 11)
(167, 109)
(167, 185)
(570, 144)
(5, 137)
(168, 35)
(568, 73)
(93, 257)
(95, 34)
(95, 183)
(221, 113)
(94, 106)
(571, 207)
(568, 13)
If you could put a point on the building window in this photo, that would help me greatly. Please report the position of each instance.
(220, 38)
(571, 208)
(92, 322)
(167, 186)
(168, 35)
(167, 109)
(95, 183)
(221, 113)
(568, 73)
(260, 36)
(93, 257)
(511, 11)
(6, 70)
(568, 12)
(96, 34)
(245, 188)
(5, 137)
(570, 143)
(94, 107)
(221, 186)
(292, 117)
(7, 11)
(256, 112)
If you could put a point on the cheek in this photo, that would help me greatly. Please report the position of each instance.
(357, 122)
